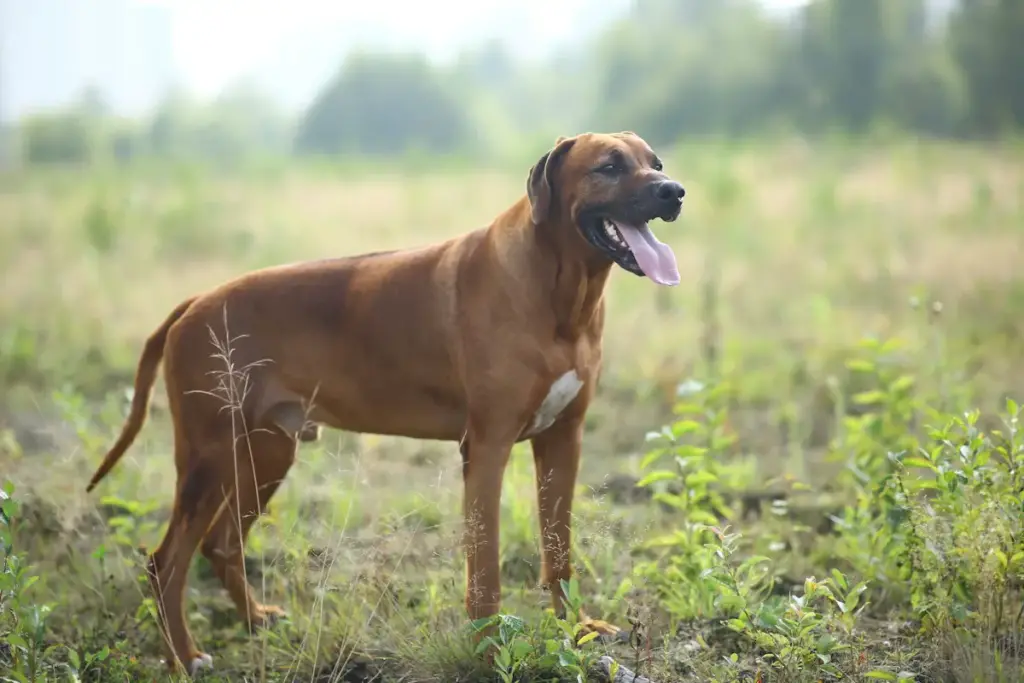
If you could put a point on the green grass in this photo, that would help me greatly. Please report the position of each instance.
(838, 304)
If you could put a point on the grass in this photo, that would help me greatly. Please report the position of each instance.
(816, 497)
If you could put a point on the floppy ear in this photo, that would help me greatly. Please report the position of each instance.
(539, 186)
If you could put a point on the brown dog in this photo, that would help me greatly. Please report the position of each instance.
(488, 339)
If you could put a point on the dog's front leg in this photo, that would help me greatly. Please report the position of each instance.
(556, 454)
(485, 455)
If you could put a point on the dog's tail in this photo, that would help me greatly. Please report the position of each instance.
(145, 375)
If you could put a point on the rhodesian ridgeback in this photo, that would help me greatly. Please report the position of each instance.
(487, 339)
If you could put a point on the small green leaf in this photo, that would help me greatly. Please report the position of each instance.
(700, 478)
(683, 427)
(1001, 556)
(915, 461)
(657, 475)
(483, 623)
(689, 452)
(700, 516)
(860, 365)
(869, 397)
(624, 587)
(520, 649)
(737, 625)
(651, 457)
(902, 383)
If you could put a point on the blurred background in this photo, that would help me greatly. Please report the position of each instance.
(225, 80)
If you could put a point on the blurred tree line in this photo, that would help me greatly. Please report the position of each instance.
(668, 69)
(238, 124)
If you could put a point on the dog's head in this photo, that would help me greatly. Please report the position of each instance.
(605, 189)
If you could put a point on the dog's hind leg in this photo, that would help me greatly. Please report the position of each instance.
(200, 496)
(262, 465)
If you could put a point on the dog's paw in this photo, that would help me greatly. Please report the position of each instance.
(201, 662)
(607, 632)
(266, 616)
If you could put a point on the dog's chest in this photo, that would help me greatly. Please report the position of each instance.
(561, 393)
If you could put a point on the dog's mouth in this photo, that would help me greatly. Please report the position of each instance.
(634, 247)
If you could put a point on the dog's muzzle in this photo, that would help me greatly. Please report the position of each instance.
(629, 241)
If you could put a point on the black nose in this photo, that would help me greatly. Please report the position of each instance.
(669, 191)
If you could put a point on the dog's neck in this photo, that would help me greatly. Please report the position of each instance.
(567, 278)
(578, 299)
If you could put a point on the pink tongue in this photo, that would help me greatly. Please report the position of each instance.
(655, 258)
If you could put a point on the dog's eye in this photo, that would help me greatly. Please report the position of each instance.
(611, 168)
(657, 165)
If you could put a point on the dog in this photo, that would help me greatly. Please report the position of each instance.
(486, 339)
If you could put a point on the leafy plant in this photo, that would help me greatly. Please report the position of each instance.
(556, 644)
(689, 452)
(23, 621)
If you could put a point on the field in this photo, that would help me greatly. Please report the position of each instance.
(784, 475)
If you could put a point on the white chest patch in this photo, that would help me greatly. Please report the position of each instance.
(562, 392)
